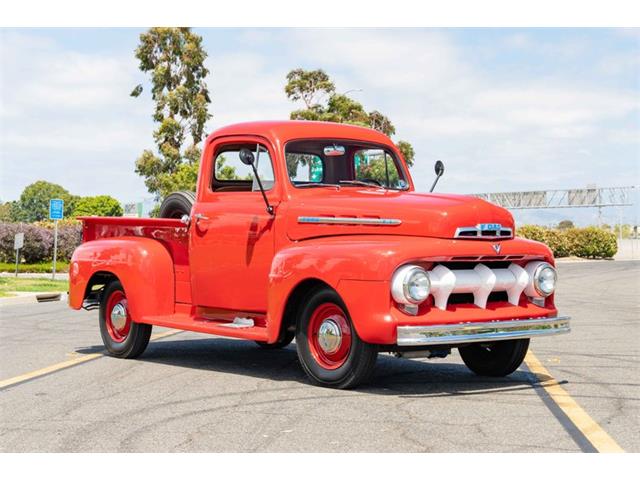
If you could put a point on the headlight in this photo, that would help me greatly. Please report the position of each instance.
(542, 279)
(410, 285)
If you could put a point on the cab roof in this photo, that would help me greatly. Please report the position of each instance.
(284, 130)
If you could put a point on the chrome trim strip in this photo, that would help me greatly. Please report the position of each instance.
(350, 221)
(481, 331)
(478, 233)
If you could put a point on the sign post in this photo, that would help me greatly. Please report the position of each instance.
(18, 243)
(56, 212)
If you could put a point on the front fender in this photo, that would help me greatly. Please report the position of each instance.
(143, 266)
(360, 268)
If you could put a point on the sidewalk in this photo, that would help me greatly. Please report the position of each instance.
(22, 298)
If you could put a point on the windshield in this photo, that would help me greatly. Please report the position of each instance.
(345, 163)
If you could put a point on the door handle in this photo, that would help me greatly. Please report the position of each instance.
(199, 217)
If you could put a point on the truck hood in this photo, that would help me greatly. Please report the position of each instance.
(398, 213)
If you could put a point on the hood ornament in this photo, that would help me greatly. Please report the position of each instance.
(496, 247)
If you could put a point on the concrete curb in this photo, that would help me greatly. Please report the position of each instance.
(31, 298)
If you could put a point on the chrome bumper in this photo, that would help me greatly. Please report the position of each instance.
(482, 331)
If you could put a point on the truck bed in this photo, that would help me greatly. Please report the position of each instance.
(172, 233)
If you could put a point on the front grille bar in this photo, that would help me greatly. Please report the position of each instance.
(478, 234)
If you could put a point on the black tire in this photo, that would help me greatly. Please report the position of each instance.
(136, 339)
(497, 359)
(360, 360)
(281, 343)
(177, 204)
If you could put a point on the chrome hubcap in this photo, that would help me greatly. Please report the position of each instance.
(329, 336)
(119, 316)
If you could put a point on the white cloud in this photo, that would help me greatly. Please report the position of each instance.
(67, 117)
(494, 131)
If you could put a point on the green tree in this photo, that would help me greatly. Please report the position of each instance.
(33, 205)
(314, 86)
(9, 211)
(381, 122)
(224, 171)
(308, 85)
(175, 59)
(565, 225)
(407, 152)
(101, 206)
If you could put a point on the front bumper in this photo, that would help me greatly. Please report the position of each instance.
(474, 332)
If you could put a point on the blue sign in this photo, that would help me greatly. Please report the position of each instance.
(56, 209)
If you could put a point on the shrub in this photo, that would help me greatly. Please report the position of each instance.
(69, 237)
(591, 242)
(557, 241)
(45, 267)
(38, 242)
(532, 232)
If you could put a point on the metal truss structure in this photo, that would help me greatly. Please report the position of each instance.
(592, 196)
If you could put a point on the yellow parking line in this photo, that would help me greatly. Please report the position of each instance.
(68, 363)
(600, 439)
(49, 369)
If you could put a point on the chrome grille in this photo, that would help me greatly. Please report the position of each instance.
(479, 234)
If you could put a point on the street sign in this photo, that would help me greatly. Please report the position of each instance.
(56, 212)
(56, 209)
(18, 241)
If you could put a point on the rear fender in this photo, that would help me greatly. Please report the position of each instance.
(143, 266)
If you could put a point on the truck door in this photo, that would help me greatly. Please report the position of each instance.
(232, 239)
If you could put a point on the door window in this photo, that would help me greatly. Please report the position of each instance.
(230, 174)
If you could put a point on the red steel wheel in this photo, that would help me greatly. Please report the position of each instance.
(329, 336)
(122, 337)
(118, 320)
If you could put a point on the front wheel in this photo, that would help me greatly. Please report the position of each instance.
(121, 336)
(329, 349)
(497, 359)
(286, 339)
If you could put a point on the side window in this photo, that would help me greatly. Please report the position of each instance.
(230, 174)
(377, 166)
(305, 168)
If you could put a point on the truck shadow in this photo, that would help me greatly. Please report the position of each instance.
(392, 376)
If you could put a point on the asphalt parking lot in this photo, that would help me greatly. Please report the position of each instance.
(196, 393)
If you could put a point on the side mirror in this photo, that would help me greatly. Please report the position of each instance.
(246, 156)
(439, 168)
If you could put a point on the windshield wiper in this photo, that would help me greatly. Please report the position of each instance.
(361, 183)
(314, 184)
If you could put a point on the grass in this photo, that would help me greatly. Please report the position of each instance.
(8, 285)
(61, 267)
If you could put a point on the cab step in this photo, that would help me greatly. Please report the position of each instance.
(238, 328)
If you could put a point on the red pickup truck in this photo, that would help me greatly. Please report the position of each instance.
(313, 231)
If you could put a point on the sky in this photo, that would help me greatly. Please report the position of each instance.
(505, 109)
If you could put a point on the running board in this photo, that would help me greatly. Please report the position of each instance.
(235, 329)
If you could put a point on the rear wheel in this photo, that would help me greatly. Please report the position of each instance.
(177, 204)
(496, 359)
(329, 349)
(121, 336)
